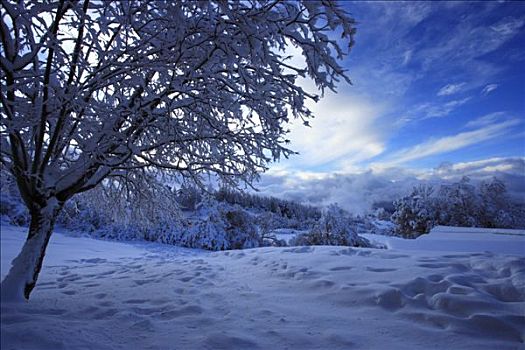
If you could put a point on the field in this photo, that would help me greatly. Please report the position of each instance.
(454, 289)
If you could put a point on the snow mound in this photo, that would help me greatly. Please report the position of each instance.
(109, 295)
(459, 239)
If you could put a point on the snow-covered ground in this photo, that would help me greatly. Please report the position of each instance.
(459, 239)
(433, 294)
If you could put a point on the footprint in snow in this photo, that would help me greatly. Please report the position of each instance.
(135, 301)
(341, 268)
(300, 250)
(380, 269)
(93, 261)
(142, 282)
(190, 310)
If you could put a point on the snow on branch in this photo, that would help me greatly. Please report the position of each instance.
(89, 88)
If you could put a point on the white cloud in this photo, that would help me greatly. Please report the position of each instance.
(436, 110)
(509, 169)
(486, 120)
(358, 191)
(451, 89)
(513, 165)
(508, 26)
(489, 88)
(407, 56)
(345, 129)
(451, 143)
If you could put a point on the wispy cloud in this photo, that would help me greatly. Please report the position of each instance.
(407, 56)
(436, 109)
(508, 26)
(465, 43)
(487, 119)
(451, 89)
(392, 67)
(513, 165)
(451, 143)
(488, 89)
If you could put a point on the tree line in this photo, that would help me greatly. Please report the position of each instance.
(461, 203)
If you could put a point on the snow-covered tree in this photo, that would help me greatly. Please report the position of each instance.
(495, 205)
(458, 204)
(208, 231)
(334, 228)
(96, 89)
(415, 213)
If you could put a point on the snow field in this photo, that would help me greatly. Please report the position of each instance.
(458, 239)
(96, 294)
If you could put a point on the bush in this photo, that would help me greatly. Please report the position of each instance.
(334, 228)
(12, 209)
(111, 211)
(219, 226)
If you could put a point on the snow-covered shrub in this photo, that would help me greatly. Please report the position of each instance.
(208, 230)
(463, 204)
(149, 212)
(120, 232)
(167, 232)
(87, 213)
(241, 228)
(220, 226)
(208, 235)
(286, 213)
(12, 209)
(414, 214)
(334, 228)
(518, 215)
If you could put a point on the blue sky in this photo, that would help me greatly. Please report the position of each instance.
(438, 92)
(433, 82)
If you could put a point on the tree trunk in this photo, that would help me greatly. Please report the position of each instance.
(25, 268)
